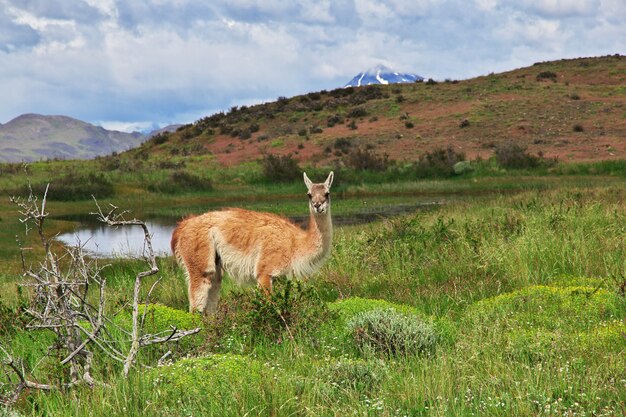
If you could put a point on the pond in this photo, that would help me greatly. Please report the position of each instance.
(103, 241)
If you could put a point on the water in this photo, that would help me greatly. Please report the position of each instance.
(128, 241)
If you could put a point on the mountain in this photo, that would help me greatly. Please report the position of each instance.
(32, 137)
(380, 74)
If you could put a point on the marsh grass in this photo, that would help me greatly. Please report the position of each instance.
(517, 286)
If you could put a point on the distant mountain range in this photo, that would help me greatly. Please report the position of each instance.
(381, 74)
(33, 137)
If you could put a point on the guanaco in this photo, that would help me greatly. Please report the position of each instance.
(251, 245)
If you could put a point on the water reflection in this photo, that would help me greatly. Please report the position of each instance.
(127, 241)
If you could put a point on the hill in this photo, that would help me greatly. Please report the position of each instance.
(31, 137)
(572, 109)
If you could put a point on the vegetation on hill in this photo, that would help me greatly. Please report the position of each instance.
(573, 110)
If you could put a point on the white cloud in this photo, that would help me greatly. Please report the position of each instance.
(134, 61)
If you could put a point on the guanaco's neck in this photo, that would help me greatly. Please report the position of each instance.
(321, 231)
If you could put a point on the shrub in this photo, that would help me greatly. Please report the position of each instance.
(161, 138)
(316, 129)
(547, 75)
(511, 155)
(464, 123)
(365, 160)
(343, 144)
(438, 162)
(462, 167)
(334, 120)
(74, 186)
(353, 374)
(280, 168)
(578, 128)
(245, 134)
(292, 309)
(391, 333)
(409, 125)
(352, 125)
(181, 182)
(574, 96)
(357, 112)
(302, 132)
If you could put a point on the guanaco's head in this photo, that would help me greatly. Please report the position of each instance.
(319, 194)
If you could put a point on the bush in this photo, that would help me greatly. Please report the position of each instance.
(334, 120)
(547, 75)
(280, 168)
(353, 374)
(438, 162)
(578, 128)
(343, 145)
(462, 167)
(390, 333)
(181, 182)
(74, 186)
(511, 155)
(357, 112)
(365, 160)
(292, 309)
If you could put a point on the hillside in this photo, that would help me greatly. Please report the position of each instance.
(32, 137)
(572, 109)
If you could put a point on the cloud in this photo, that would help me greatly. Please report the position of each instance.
(164, 61)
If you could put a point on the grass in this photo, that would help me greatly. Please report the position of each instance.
(522, 290)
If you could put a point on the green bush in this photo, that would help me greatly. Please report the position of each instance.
(278, 168)
(438, 162)
(365, 160)
(512, 156)
(293, 309)
(353, 374)
(391, 333)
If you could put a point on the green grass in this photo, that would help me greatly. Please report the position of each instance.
(522, 289)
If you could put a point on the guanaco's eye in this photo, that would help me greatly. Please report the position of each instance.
(309, 194)
(327, 195)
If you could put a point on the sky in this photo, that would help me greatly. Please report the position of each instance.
(136, 64)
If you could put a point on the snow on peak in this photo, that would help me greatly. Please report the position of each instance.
(381, 74)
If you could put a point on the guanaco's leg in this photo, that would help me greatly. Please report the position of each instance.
(265, 282)
(213, 293)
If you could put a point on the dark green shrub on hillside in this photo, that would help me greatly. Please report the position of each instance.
(74, 186)
(181, 182)
(334, 120)
(390, 333)
(578, 128)
(511, 155)
(547, 75)
(343, 145)
(280, 168)
(161, 138)
(357, 112)
(438, 162)
(365, 160)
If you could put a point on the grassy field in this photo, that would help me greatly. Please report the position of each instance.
(502, 303)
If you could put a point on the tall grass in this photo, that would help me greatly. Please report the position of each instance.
(529, 284)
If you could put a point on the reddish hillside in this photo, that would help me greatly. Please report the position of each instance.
(573, 109)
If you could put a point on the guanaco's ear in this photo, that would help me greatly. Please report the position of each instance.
(329, 180)
(308, 182)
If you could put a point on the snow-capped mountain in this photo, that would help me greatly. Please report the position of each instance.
(382, 75)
